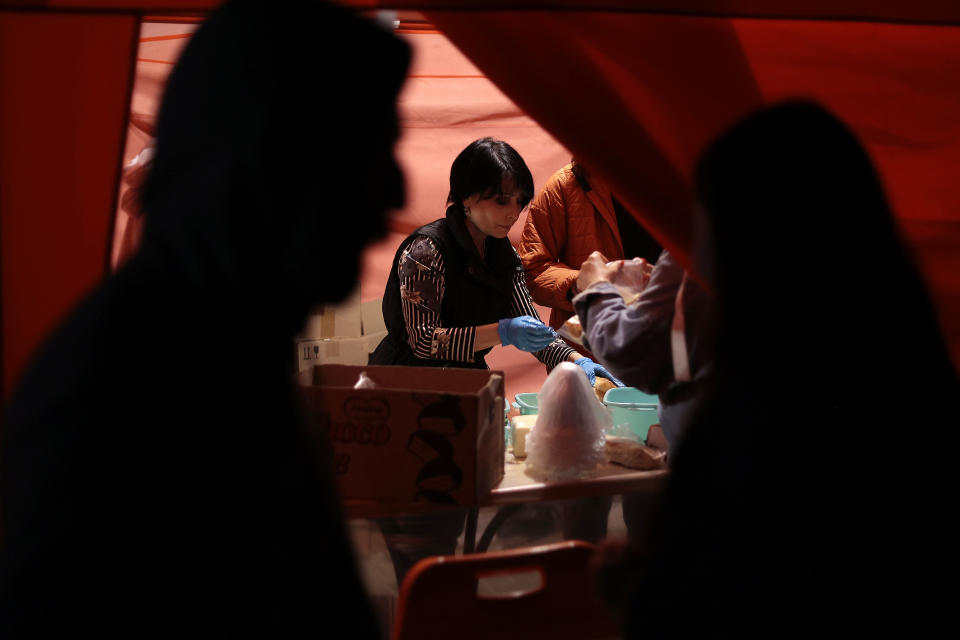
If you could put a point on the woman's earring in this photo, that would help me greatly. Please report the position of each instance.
(466, 211)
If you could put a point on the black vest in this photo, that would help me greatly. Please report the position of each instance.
(477, 292)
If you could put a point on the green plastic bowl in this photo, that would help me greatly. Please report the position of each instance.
(628, 396)
(632, 409)
(527, 403)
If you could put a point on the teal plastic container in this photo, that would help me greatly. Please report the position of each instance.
(632, 409)
(526, 403)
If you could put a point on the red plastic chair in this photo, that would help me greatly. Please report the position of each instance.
(448, 597)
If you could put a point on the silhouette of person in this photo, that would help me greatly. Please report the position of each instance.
(158, 477)
(828, 356)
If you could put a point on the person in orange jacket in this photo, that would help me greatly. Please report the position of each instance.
(575, 215)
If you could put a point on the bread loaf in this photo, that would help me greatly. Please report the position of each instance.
(601, 386)
(631, 453)
(573, 327)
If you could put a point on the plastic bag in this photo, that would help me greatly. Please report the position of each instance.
(625, 431)
(365, 382)
(632, 278)
(567, 440)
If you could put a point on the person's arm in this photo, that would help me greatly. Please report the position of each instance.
(544, 236)
(633, 340)
(487, 336)
(422, 286)
(558, 350)
(522, 304)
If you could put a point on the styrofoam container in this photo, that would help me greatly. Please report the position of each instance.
(632, 409)
(521, 426)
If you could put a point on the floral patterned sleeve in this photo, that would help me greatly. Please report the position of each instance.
(555, 352)
(422, 285)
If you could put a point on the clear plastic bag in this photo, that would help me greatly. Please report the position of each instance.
(365, 382)
(623, 431)
(567, 440)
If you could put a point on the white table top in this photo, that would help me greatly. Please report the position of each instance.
(608, 479)
(517, 487)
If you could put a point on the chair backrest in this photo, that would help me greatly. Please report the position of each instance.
(463, 597)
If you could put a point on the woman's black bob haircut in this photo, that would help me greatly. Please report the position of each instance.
(481, 169)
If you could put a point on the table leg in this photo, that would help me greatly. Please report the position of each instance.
(502, 514)
(470, 532)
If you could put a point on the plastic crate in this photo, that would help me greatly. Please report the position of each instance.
(632, 409)
(526, 403)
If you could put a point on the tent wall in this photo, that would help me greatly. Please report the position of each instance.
(652, 90)
(919, 11)
(65, 68)
(923, 11)
(445, 103)
(64, 91)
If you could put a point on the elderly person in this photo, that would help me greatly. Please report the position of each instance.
(661, 342)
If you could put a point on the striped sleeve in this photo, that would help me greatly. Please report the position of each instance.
(555, 352)
(422, 285)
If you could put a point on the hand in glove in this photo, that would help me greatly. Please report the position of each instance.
(525, 333)
(592, 369)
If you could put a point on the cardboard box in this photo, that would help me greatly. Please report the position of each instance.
(343, 334)
(371, 316)
(337, 350)
(423, 435)
(374, 339)
(335, 321)
(334, 351)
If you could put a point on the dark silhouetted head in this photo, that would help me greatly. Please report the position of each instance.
(274, 159)
(808, 259)
(830, 363)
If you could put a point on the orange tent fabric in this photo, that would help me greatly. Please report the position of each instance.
(633, 86)
(64, 92)
(639, 95)
(446, 102)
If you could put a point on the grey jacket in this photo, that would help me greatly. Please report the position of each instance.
(633, 341)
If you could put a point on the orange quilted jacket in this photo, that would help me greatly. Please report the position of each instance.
(565, 224)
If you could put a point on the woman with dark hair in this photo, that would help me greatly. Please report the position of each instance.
(824, 365)
(456, 290)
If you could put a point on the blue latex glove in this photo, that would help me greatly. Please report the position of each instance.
(592, 369)
(525, 333)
